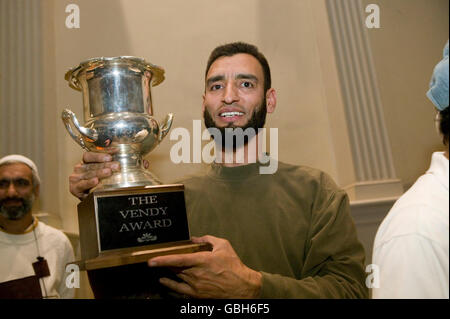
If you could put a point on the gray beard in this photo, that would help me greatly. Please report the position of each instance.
(16, 213)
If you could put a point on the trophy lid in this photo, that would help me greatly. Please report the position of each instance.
(100, 62)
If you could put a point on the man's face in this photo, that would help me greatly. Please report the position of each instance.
(16, 191)
(234, 93)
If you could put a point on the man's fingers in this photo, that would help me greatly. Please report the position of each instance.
(92, 157)
(80, 184)
(205, 239)
(79, 189)
(84, 176)
(100, 173)
(180, 260)
(216, 242)
(180, 287)
(82, 168)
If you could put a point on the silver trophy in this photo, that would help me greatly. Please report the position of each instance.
(129, 217)
(118, 115)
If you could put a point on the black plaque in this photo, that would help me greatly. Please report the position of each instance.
(141, 219)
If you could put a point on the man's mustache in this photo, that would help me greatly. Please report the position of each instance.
(4, 200)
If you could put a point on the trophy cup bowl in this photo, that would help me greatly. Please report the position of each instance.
(130, 216)
(118, 115)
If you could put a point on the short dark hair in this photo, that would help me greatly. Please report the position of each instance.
(443, 124)
(234, 48)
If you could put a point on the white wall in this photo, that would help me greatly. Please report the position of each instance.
(405, 49)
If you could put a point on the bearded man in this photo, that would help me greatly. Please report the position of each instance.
(288, 234)
(24, 240)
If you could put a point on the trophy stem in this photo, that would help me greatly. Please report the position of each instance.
(132, 173)
(128, 162)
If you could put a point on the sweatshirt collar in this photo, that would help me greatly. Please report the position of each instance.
(234, 173)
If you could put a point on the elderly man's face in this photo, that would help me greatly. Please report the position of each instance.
(17, 193)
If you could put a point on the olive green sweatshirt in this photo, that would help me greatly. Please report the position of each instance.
(294, 226)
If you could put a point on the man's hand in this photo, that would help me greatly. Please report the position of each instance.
(216, 274)
(87, 174)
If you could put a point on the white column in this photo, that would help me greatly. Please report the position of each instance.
(371, 152)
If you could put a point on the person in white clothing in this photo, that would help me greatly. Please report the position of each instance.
(23, 238)
(411, 245)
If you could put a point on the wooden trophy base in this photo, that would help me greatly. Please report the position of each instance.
(124, 273)
(121, 229)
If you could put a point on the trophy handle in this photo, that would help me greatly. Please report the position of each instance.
(165, 126)
(70, 119)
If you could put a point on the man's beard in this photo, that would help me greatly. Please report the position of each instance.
(256, 121)
(16, 212)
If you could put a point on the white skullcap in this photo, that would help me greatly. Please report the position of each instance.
(15, 158)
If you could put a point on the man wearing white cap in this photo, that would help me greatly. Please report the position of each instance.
(411, 246)
(28, 247)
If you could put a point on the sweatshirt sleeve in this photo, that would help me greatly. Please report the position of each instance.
(334, 257)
